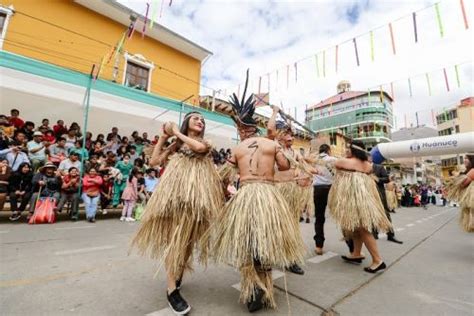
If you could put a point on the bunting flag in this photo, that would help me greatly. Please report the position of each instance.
(433, 117)
(381, 94)
(392, 38)
(268, 78)
(119, 46)
(337, 56)
(438, 17)
(409, 87)
(287, 76)
(368, 97)
(324, 63)
(372, 45)
(146, 20)
(429, 83)
(406, 123)
(414, 27)
(356, 52)
(457, 76)
(153, 12)
(259, 84)
(392, 92)
(132, 29)
(446, 79)
(102, 64)
(171, 2)
(464, 16)
(317, 64)
(296, 72)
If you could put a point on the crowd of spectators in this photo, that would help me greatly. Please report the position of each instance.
(47, 162)
(422, 195)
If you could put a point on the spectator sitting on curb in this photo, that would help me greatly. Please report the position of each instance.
(20, 185)
(37, 151)
(15, 119)
(28, 129)
(45, 184)
(58, 152)
(106, 192)
(72, 161)
(70, 192)
(59, 129)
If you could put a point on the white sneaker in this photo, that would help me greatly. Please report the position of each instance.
(104, 212)
(122, 218)
(129, 219)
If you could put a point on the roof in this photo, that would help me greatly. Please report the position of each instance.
(120, 13)
(414, 133)
(344, 96)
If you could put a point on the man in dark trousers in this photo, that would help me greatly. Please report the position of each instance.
(322, 184)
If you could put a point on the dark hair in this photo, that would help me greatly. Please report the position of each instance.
(126, 155)
(471, 162)
(72, 168)
(61, 139)
(45, 119)
(358, 153)
(100, 135)
(133, 173)
(29, 123)
(138, 162)
(14, 110)
(185, 126)
(324, 148)
(150, 170)
(20, 167)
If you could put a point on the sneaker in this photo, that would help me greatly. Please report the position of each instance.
(92, 220)
(104, 212)
(296, 269)
(122, 218)
(130, 219)
(177, 303)
(308, 221)
(15, 216)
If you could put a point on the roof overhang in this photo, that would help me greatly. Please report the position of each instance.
(121, 14)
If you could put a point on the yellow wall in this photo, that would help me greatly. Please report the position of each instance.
(38, 40)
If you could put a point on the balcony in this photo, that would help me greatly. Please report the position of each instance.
(378, 134)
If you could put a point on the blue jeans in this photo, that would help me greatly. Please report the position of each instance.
(91, 205)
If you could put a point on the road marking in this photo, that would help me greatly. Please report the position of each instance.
(419, 221)
(399, 229)
(276, 274)
(4, 231)
(410, 225)
(74, 227)
(324, 257)
(83, 250)
(162, 312)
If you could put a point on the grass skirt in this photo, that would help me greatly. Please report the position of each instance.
(307, 199)
(294, 196)
(179, 213)
(256, 225)
(392, 200)
(354, 202)
(465, 197)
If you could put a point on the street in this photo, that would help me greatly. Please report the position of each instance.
(84, 269)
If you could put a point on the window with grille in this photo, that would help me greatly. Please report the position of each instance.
(137, 76)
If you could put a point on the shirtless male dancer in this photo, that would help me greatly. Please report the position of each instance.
(255, 230)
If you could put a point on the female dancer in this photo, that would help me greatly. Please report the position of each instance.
(355, 204)
(391, 193)
(183, 205)
(461, 189)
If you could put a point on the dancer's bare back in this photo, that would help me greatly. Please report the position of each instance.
(256, 158)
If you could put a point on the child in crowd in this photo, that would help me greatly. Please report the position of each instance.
(130, 196)
(106, 192)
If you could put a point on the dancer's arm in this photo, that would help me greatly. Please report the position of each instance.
(194, 145)
(469, 179)
(271, 125)
(283, 163)
(160, 154)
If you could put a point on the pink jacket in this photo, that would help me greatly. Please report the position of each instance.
(131, 190)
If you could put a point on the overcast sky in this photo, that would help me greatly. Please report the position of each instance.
(266, 36)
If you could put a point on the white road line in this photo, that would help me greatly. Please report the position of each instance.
(399, 229)
(324, 257)
(276, 274)
(74, 227)
(83, 250)
(4, 231)
(419, 221)
(161, 312)
(410, 225)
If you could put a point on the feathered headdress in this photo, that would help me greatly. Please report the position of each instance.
(243, 110)
(283, 127)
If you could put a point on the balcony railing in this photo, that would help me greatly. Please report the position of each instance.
(370, 134)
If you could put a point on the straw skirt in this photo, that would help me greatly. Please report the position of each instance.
(392, 200)
(465, 197)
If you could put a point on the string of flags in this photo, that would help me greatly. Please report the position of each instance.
(320, 56)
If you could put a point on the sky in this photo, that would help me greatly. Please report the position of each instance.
(267, 36)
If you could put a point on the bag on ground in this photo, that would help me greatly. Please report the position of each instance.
(139, 211)
(44, 212)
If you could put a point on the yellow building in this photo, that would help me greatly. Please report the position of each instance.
(459, 119)
(48, 47)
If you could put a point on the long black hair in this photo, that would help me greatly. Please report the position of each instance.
(357, 149)
(185, 127)
(471, 162)
(133, 173)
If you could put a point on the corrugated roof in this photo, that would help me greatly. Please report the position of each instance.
(347, 95)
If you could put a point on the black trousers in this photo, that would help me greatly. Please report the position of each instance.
(14, 201)
(320, 202)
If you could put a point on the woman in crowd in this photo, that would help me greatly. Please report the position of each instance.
(106, 192)
(70, 192)
(91, 193)
(461, 189)
(20, 185)
(5, 172)
(355, 204)
(130, 196)
(183, 205)
(125, 167)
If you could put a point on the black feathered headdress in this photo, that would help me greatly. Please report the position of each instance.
(243, 110)
(283, 127)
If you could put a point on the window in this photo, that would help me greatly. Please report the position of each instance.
(5, 14)
(333, 138)
(457, 129)
(137, 72)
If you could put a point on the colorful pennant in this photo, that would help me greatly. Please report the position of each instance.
(392, 38)
(464, 16)
(372, 45)
(296, 72)
(153, 12)
(438, 17)
(356, 51)
(317, 65)
(146, 20)
(429, 83)
(415, 28)
(446, 79)
(457, 76)
(409, 88)
(337, 56)
(324, 63)
(392, 92)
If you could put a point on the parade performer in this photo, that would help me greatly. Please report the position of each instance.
(286, 181)
(354, 202)
(255, 230)
(461, 189)
(179, 213)
(390, 191)
(305, 182)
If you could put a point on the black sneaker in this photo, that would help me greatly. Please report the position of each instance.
(296, 269)
(301, 219)
(15, 216)
(177, 303)
(256, 303)
(307, 220)
(178, 283)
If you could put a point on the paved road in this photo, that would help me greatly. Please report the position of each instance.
(84, 269)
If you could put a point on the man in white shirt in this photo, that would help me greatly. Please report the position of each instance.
(37, 151)
(322, 184)
(72, 161)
